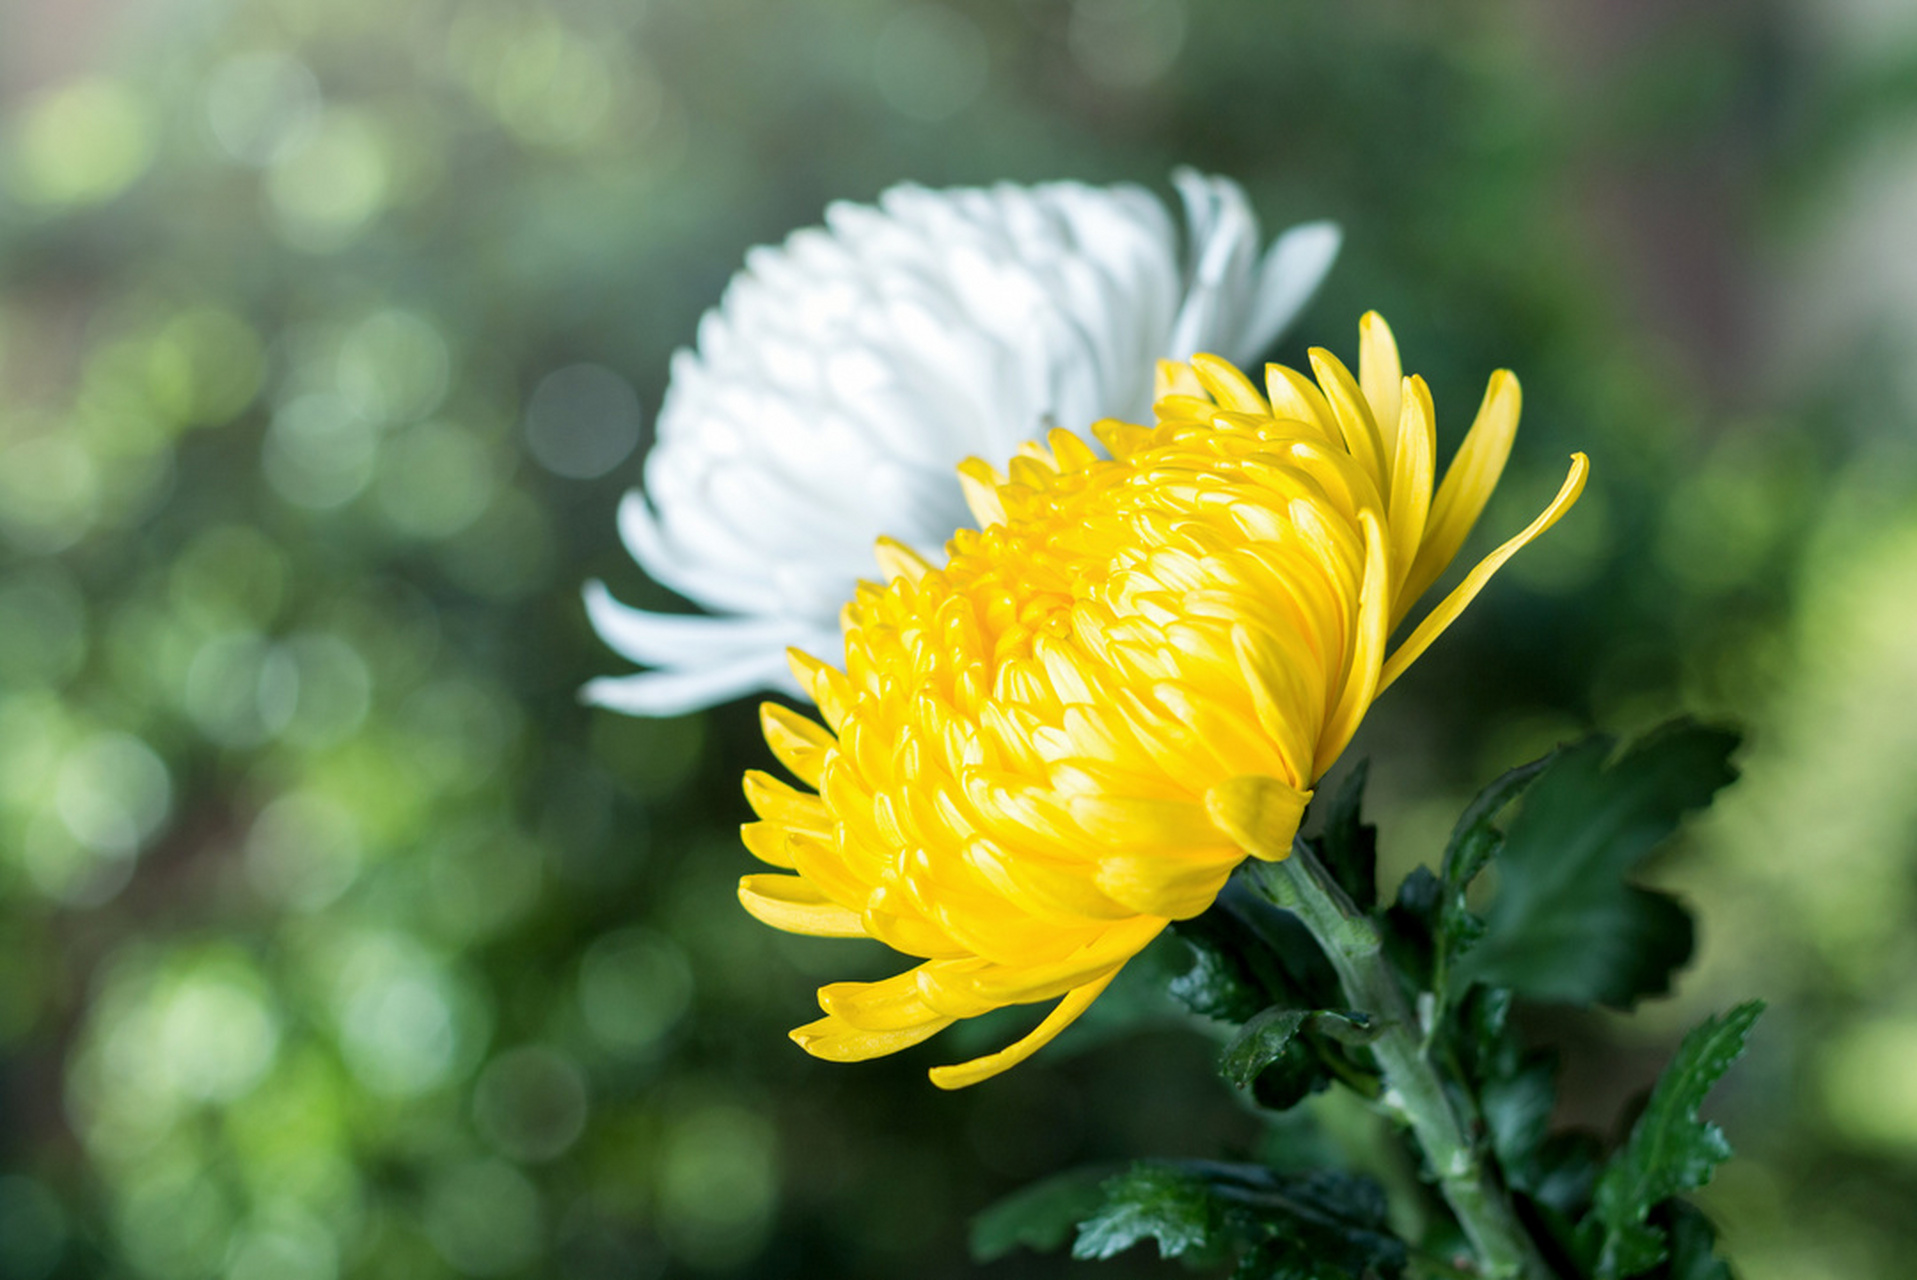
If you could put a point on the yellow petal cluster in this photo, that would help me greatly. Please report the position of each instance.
(1126, 681)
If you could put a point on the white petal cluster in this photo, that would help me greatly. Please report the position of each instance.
(848, 371)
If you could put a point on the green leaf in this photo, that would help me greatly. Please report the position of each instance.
(1219, 983)
(1409, 926)
(1348, 845)
(1302, 1226)
(1268, 1036)
(1693, 1245)
(1247, 956)
(1041, 1216)
(1487, 1046)
(1564, 1171)
(1150, 1201)
(1259, 1043)
(1475, 841)
(1331, 1226)
(1517, 1115)
(1475, 838)
(1670, 1149)
(1283, 1056)
(1564, 925)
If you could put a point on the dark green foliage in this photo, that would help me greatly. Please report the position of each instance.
(1219, 983)
(1670, 1150)
(1150, 1201)
(1247, 956)
(1284, 1055)
(1564, 925)
(1041, 1216)
(1348, 845)
(1693, 1244)
(1320, 1224)
(1334, 1229)
(1474, 842)
(1259, 1043)
(1409, 926)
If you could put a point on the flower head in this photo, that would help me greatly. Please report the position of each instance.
(1124, 683)
(846, 373)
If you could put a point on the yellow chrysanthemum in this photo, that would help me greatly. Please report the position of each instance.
(1127, 680)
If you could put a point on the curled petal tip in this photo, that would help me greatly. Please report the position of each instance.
(1260, 814)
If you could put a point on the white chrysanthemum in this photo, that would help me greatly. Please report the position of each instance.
(847, 372)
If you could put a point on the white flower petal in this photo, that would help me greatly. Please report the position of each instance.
(681, 692)
(847, 372)
(676, 639)
(1292, 271)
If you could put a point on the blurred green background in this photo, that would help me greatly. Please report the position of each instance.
(337, 939)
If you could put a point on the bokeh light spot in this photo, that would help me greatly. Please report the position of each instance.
(318, 453)
(335, 690)
(259, 105)
(634, 986)
(551, 86)
(113, 793)
(289, 1247)
(434, 480)
(459, 731)
(393, 367)
(718, 1185)
(241, 689)
(216, 1034)
(324, 192)
(406, 1026)
(485, 1218)
(303, 850)
(1869, 1090)
(63, 869)
(1126, 44)
(583, 421)
(82, 144)
(398, 1033)
(530, 1103)
(930, 62)
(49, 492)
(204, 367)
(174, 1223)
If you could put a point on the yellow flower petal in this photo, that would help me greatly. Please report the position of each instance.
(778, 803)
(1260, 814)
(799, 743)
(980, 484)
(1062, 1016)
(1295, 398)
(1072, 731)
(767, 841)
(1411, 487)
(1228, 387)
(1454, 604)
(1468, 481)
(1171, 378)
(1379, 375)
(795, 905)
(838, 1041)
(1361, 679)
(1353, 415)
(896, 560)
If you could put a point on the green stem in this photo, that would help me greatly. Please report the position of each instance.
(1414, 1092)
